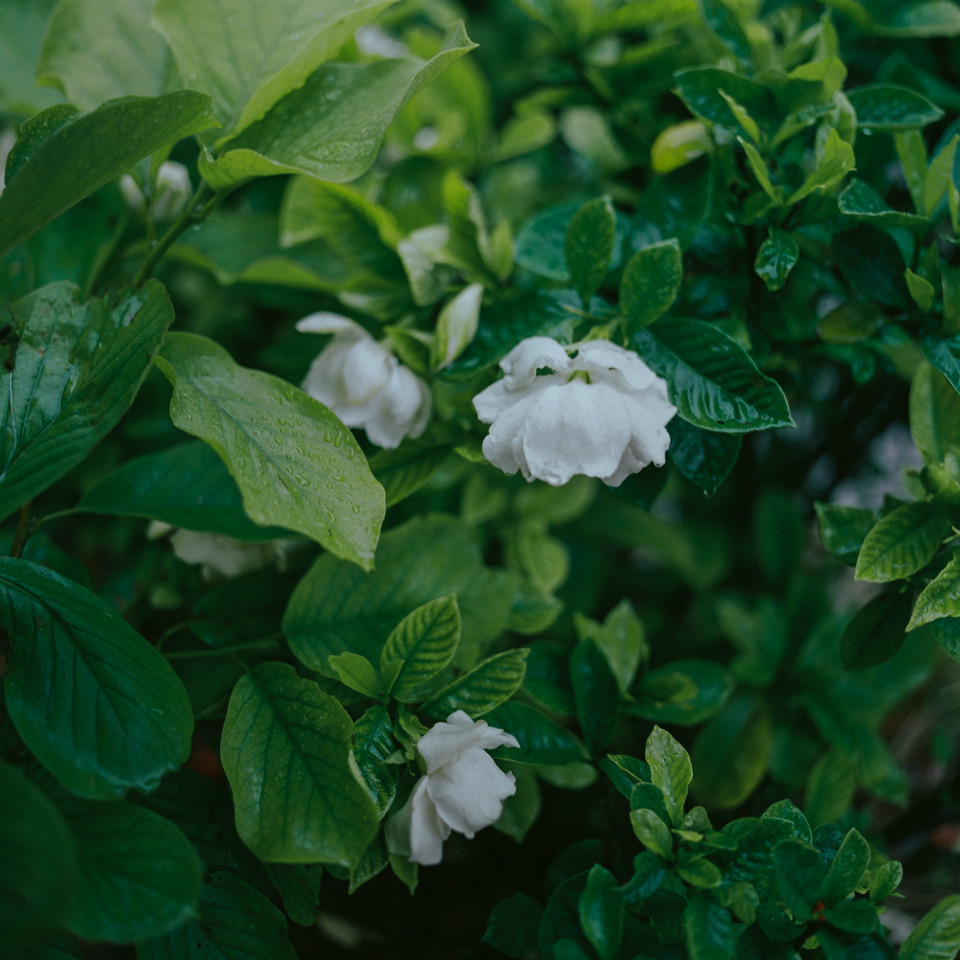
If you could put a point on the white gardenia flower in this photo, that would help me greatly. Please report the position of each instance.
(364, 384)
(463, 789)
(601, 412)
(172, 191)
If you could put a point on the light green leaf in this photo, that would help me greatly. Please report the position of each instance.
(940, 598)
(709, 930)
(424, 642)
(829, 788)
(776, 257)
(96, 50)
(373, 744)
(670, 770)
(650, 284)
(246, 57)
(484, 688)
(901, 543)
(847, 869)
(836, 161)
(138, 874)
(332, 126)
(712, 380)
(357, 673)
(921, 290)
(24, 25)
(72, 163)
(296, 464)
(926, 18)
(678, 145)
(520, 811)
(456, 326)
(934, 415)
(652, 832)
(886, 879)
(937, 935)
(912, 153)
(39, 863)
(620, 639)
(601, 912)
(887, 106)
(940, 175)
(588, 246)
(760, 171)
(96, 703)
(77, 368)
(286, 752)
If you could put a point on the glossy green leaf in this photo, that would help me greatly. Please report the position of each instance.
(682, 692)
(847, 870)
(800, 876)
(95, 50)
(72, 163)
(490, 683)
(886, 879)
(836, 161)
(122, 716)
(902, 542)
(620, 638)
(709, 930)
(760, 171)
(514, 925)
(776, 257)
(236, 922)
(700, 89)
(921, 291)
(877, 630)
(670, 770)
(138, 874)
(286, 751)
(725, 26)
(38, 869)
(77, 367)
(542, 740)
(588, 246)
(373, 744)
(934, 415)
(650, 284)
(332, 125)
(843, 529)
(299, 887)
(921, 18)
(712, 380)
(596, 695)
(261, 427)
(25, 23)
(601, 912)
(887, 106)
(336, 607)
(829, 789)
(357, 673)
(862, 203)
(937, 935)
(520, 812)
(652, 832)
(705, 458)
(423, 642)
(940, 598)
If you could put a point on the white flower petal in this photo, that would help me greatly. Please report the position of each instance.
(469, 792)
(503, 445)
(608, 363)
(416, 831)
(367, 369)
(325, 322)
(520, 365)
(445, 742)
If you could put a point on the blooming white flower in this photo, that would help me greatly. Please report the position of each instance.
(172, 191)
(463, 789)
(601, 412)
(364, 384)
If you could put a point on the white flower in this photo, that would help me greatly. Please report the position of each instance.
(364, 384)
(602, 412)
(172, 191)
(7, 139)
(463, 788)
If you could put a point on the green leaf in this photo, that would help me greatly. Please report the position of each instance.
(921, 290)
(862, 203)
(296, 464)
(588, 246)
(520, 811)
(843, 529)
(725, 26)
(336, 607)
(847, 869)
(299, 887)
(357, 673)
(456, 326)
(940, 598)
(760, 171)
(887, 106)
(424, 642)
(684, 692)
(947, 632)
(902, 542)
(800, 876)
(705, 458)
(72, 163)
(286, 752)
(934, 415)
(650, 284)
(877, 630)
(937, 935)
(97, 704)
(700, 873)
(702, 89)
(186, 486)
(620, 639)
(235, 923)
(542, 740)
(330, 127)
(926, 18)
(95, 50)
(39, 864)
(670, 770)
(490, 683)
(709, 930)
(138, 874)
(835, 162)
(596, 695)
(652, 832)
(939, 176)
(246, 61)
(944, 354)
(373, 744)
(886, 879)
(712, 380)
(75, 372)
(24, 25)
(601, 912)
(776, 257)
(514, 925)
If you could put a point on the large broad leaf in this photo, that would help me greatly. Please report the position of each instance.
(937, 935)
(72, 163)
(903, 542)
(138, 874)
(38, 867)
(248, 56)
(96, 703)
(296, 464)
(478, 691)
(77, 367)
(186, 486)
(712, 380)
(24, 23)
(861, 202)
(286, 751)
(96, 50)
(235, 923)
(332, 126)
(588, 245)
(336, 608)
(650, 284)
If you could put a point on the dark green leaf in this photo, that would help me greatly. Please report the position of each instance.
(542, 740)
(947, 631)
(596, 695)
(684, 692)
(940, 598)
(286, 751)
(299, 887)
(843, 529)
(800, 876)
(588, 246)
(854, 916)
(406, 469)
(902, 542)
(705, 458)
(830, 788)
(944, 354)
(650, 284)
(776, 257)
(121, 717)
(261, 427)
(712, 380)
(934, 415)
(520, 811)
(700, 89)
(490, 683)
(887, 106)
(423, 642)
(72, 163)
(886, 879)
(877, 630)
(725, 26)
(652, 832)
(561, 918)
(601, 912)
(373, 743)
(937, 935)
(862, 203)
(710, 934)
(848, 868)
(514, 925)
(870, 260)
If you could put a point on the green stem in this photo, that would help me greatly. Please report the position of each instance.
(224, 651)
(20, 537)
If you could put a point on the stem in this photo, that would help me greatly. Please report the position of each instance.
(20, 537)
(223, 651)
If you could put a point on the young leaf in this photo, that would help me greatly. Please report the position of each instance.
(940, 598)
(848, 868)
(887, 106)
(286, 752)
(356, 672)
(588, 246)
(652, 832)
(670, 770)
(601, 912)
(490, 683)
(456, 326)
(902, 542)
(886, 879)
(96, 703)
(651, 281)
(424, 642)
(296, 464)
(835, 163)
(373, 743)
(843, 529)
(776, 257)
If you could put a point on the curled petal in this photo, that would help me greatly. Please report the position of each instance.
(469, 793)
(503, 445)
(324, 322)
(367, 369)
(445, 742)
(416, 830)
(520, 365)
(608, 363)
